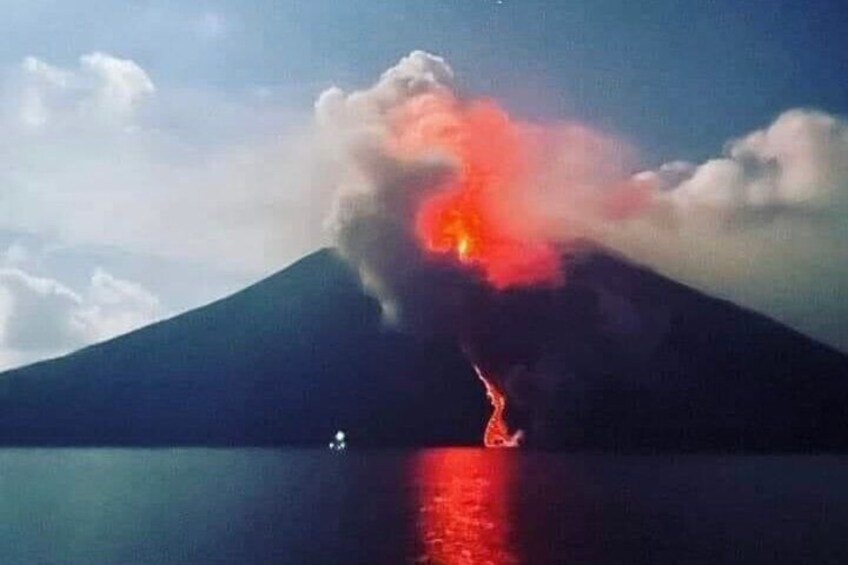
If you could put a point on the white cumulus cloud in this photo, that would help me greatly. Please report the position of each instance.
(41, 317)
(102, 88)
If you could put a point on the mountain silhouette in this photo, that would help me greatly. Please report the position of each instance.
(618, 358)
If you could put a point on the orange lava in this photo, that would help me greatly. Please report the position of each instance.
(497, 432)
(473, 217)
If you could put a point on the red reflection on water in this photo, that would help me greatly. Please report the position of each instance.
(464, 507)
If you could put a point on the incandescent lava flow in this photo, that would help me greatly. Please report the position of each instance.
(497, 432)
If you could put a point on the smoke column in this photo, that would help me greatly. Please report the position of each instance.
(439, 187)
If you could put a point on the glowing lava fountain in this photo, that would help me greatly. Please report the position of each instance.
(497, 432)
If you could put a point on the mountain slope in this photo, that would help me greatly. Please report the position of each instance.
(290, 359)
(618, 358)
(644, 362)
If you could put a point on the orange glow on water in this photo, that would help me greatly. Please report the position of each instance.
(497, 432)
(464, 507)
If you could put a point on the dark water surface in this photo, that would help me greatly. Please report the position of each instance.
(431, 506)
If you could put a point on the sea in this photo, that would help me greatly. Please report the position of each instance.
(446, 506)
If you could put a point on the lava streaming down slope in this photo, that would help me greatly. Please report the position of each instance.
(497, 432)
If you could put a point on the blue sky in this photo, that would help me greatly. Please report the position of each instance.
(233, 85)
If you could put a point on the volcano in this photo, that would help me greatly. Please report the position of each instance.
(617, 358)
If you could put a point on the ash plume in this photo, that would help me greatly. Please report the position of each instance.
(378, 195)
(420, 165)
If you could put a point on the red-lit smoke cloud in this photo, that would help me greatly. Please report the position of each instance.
(434, 182)
(466, 216)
